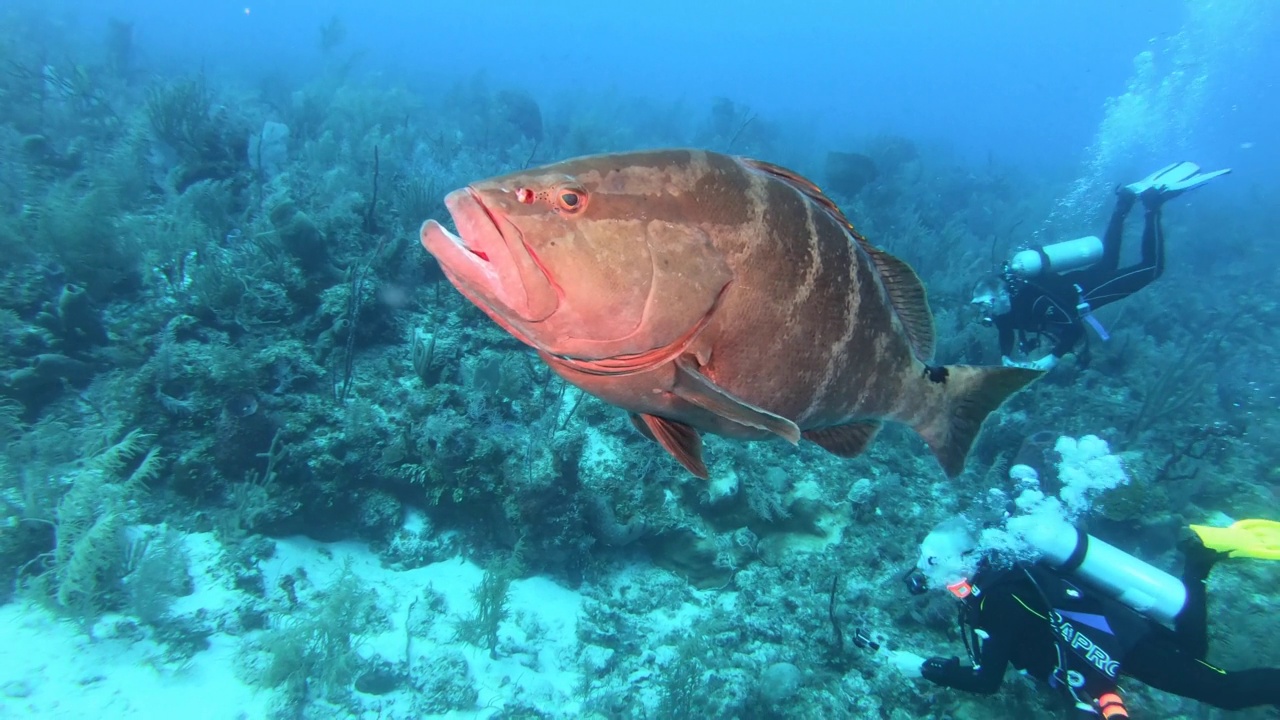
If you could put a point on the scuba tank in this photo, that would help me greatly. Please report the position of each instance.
(1143, 587)
(1056, 258)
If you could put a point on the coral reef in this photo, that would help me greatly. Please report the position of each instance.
(216, 325)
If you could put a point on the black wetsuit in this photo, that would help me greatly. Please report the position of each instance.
(1048, 304)
(1010, 608)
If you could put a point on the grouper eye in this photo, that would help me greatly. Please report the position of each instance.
(571, 200)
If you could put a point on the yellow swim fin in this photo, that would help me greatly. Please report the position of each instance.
(1245, 538)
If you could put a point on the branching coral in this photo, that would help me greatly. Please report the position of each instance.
(209, 142)
(181, 116)
(318, 650)
(480, 627)
(1176, 384)
(88, 561)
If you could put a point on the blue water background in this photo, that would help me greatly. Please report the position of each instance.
(1022, 83)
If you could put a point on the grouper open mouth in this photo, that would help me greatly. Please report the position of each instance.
(488, 260)
(477, 234)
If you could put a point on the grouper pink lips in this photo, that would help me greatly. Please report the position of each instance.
(489, 262)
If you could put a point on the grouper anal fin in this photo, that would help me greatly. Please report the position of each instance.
(694, 387)
(849, 440)
(683, 442)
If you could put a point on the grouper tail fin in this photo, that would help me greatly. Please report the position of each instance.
(962, 398)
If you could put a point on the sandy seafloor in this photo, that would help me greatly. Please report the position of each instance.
(50, 668)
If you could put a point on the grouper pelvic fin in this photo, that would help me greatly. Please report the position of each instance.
(694, 387)
(906, 292)
(683, 442)
(969, 394)
(845, 440)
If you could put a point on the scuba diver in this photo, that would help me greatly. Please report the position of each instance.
(1088, 613)
(1054, 290)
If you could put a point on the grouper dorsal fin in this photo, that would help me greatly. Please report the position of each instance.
(909, 298)
(804, 185)
(906, 292)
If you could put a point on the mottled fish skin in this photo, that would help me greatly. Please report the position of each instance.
(714, 292)
(807, 318)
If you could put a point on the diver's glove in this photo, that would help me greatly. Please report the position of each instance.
(1006, 361)
(1048, 362)
(939, 669)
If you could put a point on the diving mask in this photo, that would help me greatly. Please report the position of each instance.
(989, 303)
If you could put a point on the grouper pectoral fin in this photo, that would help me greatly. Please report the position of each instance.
(692, 386)
(845, 440)
(683, 442)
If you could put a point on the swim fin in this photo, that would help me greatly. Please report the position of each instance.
(1192, 182)
(1171, 181)
(1174, 173)
(1245, 538)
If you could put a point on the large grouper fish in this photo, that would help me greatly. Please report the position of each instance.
(703, 292)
